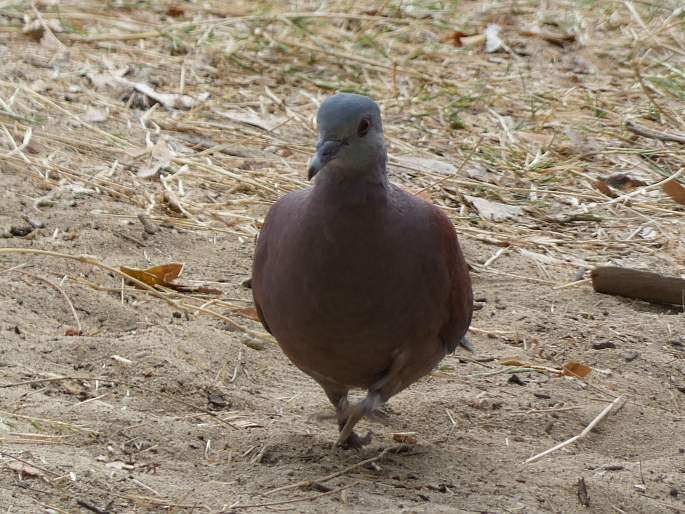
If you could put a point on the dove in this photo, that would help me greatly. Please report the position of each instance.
(362, 284)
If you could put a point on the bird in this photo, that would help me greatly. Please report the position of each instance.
(362, 284)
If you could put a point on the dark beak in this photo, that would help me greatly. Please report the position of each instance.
(325, 152)
(314, 166)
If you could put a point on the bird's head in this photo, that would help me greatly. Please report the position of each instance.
(350, 135)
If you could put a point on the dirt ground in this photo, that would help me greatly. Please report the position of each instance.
(157, 406)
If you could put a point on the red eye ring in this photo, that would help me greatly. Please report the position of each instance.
(364, 127)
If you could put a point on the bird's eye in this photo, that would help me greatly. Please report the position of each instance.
(363, 128)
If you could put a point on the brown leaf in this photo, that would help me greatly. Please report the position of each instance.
(455, 38)
(675, 190)
(164, 275)
(602, 186)
(157, 275)
(167, 272)
(624, 182)
(576, 369)
(175, 11)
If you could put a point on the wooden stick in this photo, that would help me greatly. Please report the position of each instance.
(585, 432)
(641, 285)
(654, 134)
(295, 500)
(332, 475)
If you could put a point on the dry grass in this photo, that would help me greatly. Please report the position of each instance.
(551, 112)
(200, 114)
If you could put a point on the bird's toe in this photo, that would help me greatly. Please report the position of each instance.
(354, 441)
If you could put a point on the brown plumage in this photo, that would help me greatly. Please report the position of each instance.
(362, 284)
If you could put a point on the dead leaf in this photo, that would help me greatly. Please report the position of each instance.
(266, 122)
(456, 38)
(430, 165)
(675, 190)
(468, 41)
(164, 275)
(576, 369)
(556, 38)
(493, 43)
(175, 11)
(157, 275)
(624, 182)
(602, 186)
(168, 100)
(25, 470)
(494, 211)
(161, 156)
(479, 172)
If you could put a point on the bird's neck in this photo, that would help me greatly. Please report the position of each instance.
(352, 188)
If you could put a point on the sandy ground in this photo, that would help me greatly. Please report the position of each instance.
(200, 418)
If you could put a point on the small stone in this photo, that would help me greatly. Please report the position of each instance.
(216, 401)
(674, 492)
(515, 379)
(603, 345)
(630, 356)
(21, 231)
(541, 395)
(614, 467)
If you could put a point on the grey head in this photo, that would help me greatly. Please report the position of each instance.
(350, 135)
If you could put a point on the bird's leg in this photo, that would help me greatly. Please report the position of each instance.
(349, 416)
(350, 440)
(396, 378)
(338, 397)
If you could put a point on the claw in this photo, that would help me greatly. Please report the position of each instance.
(354, 442)
(351, 414)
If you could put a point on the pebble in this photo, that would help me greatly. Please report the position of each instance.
(21, 231)
(630, 356)
(603, 345)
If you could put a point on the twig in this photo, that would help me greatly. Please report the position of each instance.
(127, 384)
(295, 500)
(19, 459)
(305, 483)
(57, 288)
(654, 134)
(575, 438)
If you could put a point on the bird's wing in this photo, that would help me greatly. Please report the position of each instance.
(460, 299)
